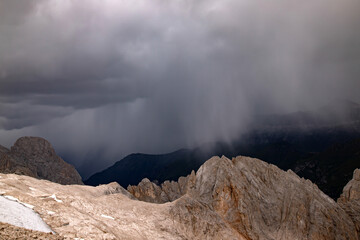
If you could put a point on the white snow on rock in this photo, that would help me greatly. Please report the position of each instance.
(106, 216)
(50, 212)
(11, 198)
(54, 197)
(17, 200)
(17, 214)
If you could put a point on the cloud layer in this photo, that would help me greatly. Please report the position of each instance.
(153, 76)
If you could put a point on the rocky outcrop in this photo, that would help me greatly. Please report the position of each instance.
(257, 200)
(167, 192)
(350, 199)
(35, 157)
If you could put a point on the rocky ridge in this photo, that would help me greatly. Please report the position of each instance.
(167, 192)
(242, 198)
(35, 157)
(256, 199)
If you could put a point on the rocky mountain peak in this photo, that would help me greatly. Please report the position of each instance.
(31, 147)
(255, 199)
(35, 157)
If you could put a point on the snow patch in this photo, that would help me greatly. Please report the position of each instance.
(50, 212)
(32, 189)
(11, 198)
(106, 216)
(27, 205)
(54, 197)
(17, 214)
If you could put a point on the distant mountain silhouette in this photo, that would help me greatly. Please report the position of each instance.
(304, 142)
(133, 168)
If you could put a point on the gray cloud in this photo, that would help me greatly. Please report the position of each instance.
(153, 76)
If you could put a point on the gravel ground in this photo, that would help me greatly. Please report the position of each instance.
(9, 232)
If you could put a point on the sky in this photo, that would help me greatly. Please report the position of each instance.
(108, 78)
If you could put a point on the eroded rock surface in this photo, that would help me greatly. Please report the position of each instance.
(350, 199)
(257, 200)
(35, 157)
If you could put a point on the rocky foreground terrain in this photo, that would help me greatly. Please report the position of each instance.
(8, 231)
(242, 198)
(35, 157)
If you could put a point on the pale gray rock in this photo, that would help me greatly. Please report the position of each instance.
(260, 201)
(35, 157)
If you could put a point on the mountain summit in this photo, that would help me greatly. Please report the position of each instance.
(35, 157)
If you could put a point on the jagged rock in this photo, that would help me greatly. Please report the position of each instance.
(261, 201)
(35, 157)
(113, 188)
(167, 192)
(258, 201)
(350, 199)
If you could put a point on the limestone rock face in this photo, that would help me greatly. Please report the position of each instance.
(35, 157)
(350, 199)
(256, 200)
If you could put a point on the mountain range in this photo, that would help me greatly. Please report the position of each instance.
(322, 146)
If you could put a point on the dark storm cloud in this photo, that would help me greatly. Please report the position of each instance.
(156, 75)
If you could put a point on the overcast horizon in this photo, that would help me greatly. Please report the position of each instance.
(108, 78)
